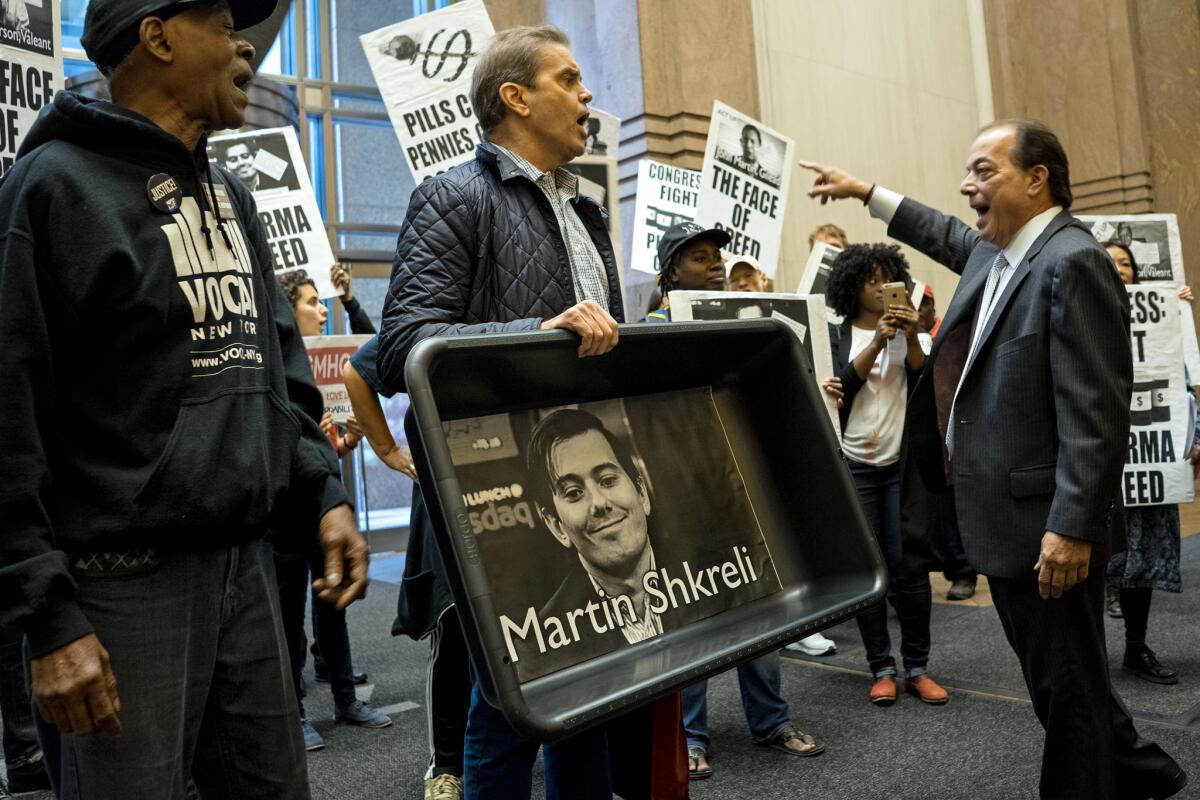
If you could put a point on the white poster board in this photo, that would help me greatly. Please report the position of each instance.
(269, 163)
(816, 274)
(803, 314)
(1160, 434)
(744, 184)
(423, 67)
(32, 65)
(604, 133)
(1154, 241)
(328, 355)
(666, 196)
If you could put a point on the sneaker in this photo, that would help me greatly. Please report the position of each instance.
(815, 645)
(1142, 662)
(962, 589)
(360, 714)
(443, 787)
(312, 739)
(28, 774)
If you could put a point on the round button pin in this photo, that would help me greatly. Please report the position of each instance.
(164, 193)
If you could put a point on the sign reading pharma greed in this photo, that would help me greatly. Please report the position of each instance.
(1157, 470)
(423, 67)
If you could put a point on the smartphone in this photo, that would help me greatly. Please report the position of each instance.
(895, 294)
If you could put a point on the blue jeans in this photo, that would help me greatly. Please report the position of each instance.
(499, 761)
(879, 492)
(766, 710)
(197, 650)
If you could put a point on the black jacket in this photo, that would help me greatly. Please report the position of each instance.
(157, 392)
(481, 252)
(1042, 414)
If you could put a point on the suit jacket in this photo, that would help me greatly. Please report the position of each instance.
(1042, 415)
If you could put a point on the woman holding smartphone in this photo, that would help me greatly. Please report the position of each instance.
(878, 357)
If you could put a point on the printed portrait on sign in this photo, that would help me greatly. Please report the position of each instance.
(261, 163)
(750, 150)
(608, 524)
(28, 25)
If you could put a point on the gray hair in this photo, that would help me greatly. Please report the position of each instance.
(514, 56)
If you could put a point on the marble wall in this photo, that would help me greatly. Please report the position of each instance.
(1119, 81)
(891, 92)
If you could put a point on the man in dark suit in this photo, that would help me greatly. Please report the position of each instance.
(1023, 406)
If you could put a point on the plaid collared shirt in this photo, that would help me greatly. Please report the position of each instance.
(561, 187)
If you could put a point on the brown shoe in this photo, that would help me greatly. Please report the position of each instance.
(927, 689)
(883, 692)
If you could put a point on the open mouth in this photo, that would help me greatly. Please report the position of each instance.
(242, 81)
(582, 121)
(981, 212)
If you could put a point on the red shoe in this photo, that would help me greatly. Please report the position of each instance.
(927, 689)
(883, 692)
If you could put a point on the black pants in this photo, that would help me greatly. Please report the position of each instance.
(1092, 750)
(447, 696)
(954, 558)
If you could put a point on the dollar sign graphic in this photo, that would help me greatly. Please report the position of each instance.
(447, 52)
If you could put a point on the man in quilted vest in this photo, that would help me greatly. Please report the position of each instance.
(506, 243)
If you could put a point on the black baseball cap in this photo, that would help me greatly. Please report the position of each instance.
(110, 27)
(685, 233)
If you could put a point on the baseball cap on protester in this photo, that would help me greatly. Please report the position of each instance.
(110, 27)
(746, 260)
(685, 233)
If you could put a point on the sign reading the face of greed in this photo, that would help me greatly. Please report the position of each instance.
(31, 70)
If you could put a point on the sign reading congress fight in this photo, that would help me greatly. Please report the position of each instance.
(269, 163)
(744, 184)
(31, 70)
(423, 67)
(666, 196)
(1157, 471)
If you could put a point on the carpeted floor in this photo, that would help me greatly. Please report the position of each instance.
(984, 744)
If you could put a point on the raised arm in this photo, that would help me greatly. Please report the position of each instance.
(944, 238)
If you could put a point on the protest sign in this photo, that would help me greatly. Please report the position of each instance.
(1153, 239)
(31, 69)
(423, 67)
(803, 314)
(269, 163)
(666, 196)
(604, 134)
(1157, 471)
(328, 355)
(744, 184)
(677, 541)
(816, 274)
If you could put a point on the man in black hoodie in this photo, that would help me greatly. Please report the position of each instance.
(160, 418)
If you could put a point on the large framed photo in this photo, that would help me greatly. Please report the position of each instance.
(633, 509)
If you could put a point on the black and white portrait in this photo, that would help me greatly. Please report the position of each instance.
(28, 25)
(607, 524)
(751, 151)
(1148, 238)
(261, 162)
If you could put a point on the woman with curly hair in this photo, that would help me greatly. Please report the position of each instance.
(878, 357)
